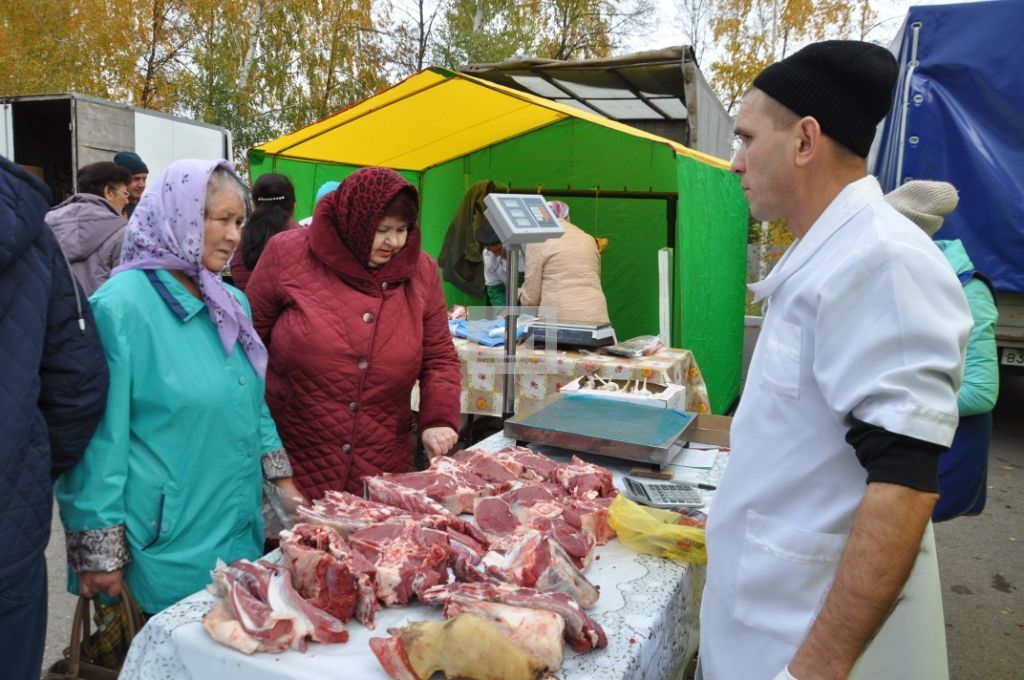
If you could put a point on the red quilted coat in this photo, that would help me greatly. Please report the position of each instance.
(347, 342)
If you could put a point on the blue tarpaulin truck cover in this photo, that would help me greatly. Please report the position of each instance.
(959, 117)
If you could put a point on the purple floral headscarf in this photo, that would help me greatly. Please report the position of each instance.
(166, 232)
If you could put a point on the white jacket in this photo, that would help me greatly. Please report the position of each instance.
(864, 318)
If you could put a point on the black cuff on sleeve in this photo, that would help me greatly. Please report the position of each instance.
(896, 458)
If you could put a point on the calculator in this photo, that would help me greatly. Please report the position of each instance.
(659, 493)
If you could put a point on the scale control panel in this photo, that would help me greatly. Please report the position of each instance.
(521, 218)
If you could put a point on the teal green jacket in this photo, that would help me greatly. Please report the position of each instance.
(174, 469)
(980, 385)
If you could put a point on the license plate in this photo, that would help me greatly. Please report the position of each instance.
(1012, 356)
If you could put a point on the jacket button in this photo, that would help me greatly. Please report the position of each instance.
(346, 448)
(362, 364)
(242, 380)
(384, 286)
(368, 317)
(354, 406)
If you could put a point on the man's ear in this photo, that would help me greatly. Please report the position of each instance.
(809, 141)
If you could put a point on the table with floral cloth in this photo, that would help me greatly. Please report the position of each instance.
(648, 607)
(541, 373)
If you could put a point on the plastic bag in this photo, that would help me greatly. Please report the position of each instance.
(653, 531)
(278, 511)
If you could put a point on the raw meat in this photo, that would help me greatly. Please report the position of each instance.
(537, 561)
(383, 490)
(467, 646)
(582, 632)
(327, 573)
(535, 507)
(270, 614)
(585, 480)
(492, 467)
(407, 558)
(591, 515)
(448, 482)
(537, 630)
(345, 513)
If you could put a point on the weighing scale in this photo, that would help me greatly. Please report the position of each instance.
(605, 427)
(517, 219)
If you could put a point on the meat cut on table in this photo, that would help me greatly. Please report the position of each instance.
(581, 632)
(468, 646)
(517, 565)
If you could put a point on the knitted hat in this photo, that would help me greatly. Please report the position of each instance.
(131, 161)
(846, 85)
(924, 202)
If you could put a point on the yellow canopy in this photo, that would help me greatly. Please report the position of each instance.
(433, 117)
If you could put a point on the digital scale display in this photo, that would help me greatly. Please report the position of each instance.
(521, 218)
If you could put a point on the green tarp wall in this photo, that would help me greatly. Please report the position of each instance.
(709, 233)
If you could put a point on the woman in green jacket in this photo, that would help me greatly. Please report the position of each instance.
(172, 479)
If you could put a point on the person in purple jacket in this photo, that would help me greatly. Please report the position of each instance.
(89, 225)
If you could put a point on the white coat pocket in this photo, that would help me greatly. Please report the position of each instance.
(780, 358)
(783, 576)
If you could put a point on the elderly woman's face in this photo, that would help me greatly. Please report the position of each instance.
(224, 216)
(387, 240)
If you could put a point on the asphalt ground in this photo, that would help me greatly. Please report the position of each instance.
(981, 561)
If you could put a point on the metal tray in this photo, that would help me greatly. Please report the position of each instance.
(605, 427)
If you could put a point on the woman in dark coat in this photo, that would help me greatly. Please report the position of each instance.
(352, 313)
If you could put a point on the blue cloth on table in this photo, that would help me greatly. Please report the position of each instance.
(487, 332)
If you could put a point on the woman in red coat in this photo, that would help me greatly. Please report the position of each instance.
(352, 313)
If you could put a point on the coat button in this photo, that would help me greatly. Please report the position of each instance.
(354, 406)
(362, 364)
(384, 286)
(346, 448)
(368, 317)
(242, 380)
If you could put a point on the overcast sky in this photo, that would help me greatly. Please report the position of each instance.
(668, 29)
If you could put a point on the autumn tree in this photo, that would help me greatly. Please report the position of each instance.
(413, 24)
(585, 29)
(58, 46)
(751, 34)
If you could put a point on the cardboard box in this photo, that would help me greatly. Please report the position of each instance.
(711, 429)
(663, 396)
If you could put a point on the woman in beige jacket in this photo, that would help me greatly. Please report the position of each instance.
(565, 273)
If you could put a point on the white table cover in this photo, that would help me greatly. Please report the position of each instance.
(648, 608)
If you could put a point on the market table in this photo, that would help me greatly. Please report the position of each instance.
(648, 608)
(541, 372)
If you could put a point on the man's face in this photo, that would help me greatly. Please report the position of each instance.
(764, 160)
(137, 186)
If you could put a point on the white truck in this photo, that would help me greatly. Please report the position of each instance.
(53, 135)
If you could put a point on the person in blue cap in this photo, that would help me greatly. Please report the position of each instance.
(325, 188)
(134, 165)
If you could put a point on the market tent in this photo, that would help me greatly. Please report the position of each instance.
(445, 131)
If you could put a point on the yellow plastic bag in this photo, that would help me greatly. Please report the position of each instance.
(657, 532)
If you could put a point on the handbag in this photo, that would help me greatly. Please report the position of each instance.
(74, 667)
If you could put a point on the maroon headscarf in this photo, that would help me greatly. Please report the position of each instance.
(345, 220)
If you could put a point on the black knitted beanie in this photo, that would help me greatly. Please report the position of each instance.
(846, 85)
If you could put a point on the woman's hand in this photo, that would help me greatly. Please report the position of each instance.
(92, 583)
(439, 440)
(290, 494)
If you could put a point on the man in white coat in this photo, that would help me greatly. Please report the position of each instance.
(821, 556)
